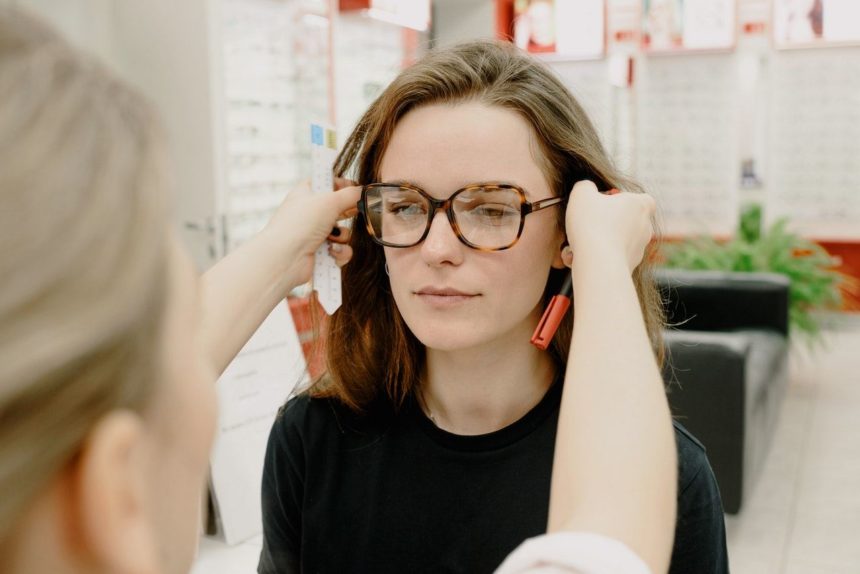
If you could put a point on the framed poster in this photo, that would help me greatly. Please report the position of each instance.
(569, 29)
(810, 23)
(676, 25)
(413, 14)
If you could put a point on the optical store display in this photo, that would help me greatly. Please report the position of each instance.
(275, 78)
(668, 94)
(814, 142)
(687, 132)
(705, 102)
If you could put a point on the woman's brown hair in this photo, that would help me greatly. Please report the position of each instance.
(369, 348)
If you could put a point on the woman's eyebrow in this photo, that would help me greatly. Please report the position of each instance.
(403, 182)
(479, 182)
(398, 182)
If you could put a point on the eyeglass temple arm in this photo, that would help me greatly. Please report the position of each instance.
(548, 202)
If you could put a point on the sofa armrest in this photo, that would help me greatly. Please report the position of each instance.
(727, 388)
(710, 367)
(724, 301)
(706, 385)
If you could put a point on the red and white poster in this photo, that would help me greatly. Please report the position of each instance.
(675, 25)
(569, 28)
(807, 23)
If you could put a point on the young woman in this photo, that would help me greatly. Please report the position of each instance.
(106, 356)
(429, 444)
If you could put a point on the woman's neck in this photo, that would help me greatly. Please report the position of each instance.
(483, 389)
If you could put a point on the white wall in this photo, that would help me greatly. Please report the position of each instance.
(164, 48)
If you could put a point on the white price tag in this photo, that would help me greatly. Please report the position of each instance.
(326, 272)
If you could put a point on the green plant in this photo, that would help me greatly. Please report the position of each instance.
(815, 282)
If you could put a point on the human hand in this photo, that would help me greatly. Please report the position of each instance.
(306, 219)
(603, 227)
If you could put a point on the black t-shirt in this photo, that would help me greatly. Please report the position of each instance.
(394, 493)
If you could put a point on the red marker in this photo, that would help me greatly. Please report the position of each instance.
(553, 315)
(556, 309)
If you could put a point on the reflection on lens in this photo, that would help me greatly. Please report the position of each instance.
(398, 215)
(488, 217)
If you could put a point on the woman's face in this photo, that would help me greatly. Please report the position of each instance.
(182, 424)
(492, 296)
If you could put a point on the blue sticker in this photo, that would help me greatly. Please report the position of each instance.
(316, 134)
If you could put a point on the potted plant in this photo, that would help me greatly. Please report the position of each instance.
(816, 284)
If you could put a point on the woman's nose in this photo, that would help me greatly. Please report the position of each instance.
(442, 246)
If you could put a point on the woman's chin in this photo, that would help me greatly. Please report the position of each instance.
(448, 338)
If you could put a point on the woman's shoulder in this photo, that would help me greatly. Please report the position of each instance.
(306, 413)
(700, 532)
(306, 416)
(693, 465)
(300, 407)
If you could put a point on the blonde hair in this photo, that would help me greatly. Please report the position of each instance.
(84, 259)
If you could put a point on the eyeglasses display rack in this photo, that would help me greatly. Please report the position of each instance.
(276, 75)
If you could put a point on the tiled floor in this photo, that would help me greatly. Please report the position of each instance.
(803, 516)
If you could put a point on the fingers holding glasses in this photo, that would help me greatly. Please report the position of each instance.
(340, 234)
(351, 187)
(338, 246)
(609, 224)
(341, 182)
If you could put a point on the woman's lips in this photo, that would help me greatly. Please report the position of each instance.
(443, 297)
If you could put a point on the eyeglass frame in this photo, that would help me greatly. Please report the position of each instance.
(526, 207)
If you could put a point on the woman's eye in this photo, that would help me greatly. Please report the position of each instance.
(406, 208)
(492, 211)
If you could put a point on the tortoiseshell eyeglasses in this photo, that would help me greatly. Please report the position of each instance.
(486, 216)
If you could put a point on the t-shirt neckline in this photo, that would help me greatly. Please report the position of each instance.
(512, 433)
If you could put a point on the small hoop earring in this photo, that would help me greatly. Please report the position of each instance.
(386, 269)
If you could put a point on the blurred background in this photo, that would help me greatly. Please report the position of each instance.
(742, 117)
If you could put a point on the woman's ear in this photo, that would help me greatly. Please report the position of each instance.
(114, 524)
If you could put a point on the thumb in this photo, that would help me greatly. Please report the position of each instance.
(346, 198)
(341, 182)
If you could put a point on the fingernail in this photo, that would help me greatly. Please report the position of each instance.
(336, 247)
(335, 231)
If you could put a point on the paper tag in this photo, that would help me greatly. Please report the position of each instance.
(326, 272)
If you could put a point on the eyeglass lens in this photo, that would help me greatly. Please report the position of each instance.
(486, 217)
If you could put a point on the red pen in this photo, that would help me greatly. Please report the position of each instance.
(556, 309)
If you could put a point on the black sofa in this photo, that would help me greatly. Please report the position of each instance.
(727, 366)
